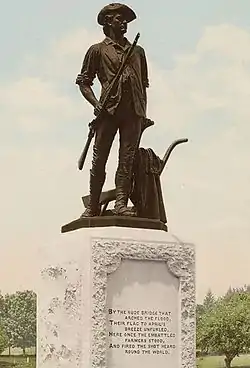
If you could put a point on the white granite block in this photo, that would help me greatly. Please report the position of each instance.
(112, 297)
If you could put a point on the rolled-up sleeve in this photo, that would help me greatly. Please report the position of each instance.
(144, 69)
(89, 67)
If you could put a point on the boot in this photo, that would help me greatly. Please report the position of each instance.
(122, 195)
(96, 184)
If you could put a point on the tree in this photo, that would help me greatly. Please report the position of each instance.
(19, 319)
(225, 328)
(1, 304)
(3, 340)
(199, 311)
(238, 290)
(199, 314)
(229, 292)
(209, 301)
(3, 335)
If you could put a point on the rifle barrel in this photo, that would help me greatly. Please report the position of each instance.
(120, 71)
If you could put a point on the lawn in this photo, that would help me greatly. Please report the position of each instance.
(218, 362)
(207, 362)
(18, 351)
(17, 362)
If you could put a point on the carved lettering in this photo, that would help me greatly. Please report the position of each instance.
(141, 331)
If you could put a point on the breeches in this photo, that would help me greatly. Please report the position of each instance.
(129, 126)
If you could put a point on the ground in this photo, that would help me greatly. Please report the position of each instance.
(17, 362)
(218, 362)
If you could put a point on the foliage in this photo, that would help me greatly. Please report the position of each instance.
(19, 319)
(225, 328)
(1, 304)
(239, 290)
(3, 340)
(3, 335)
(201, 309)
(209, 301)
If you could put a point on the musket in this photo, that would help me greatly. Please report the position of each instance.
(94, 122)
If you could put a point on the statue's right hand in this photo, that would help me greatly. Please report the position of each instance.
(97, 109)
(78, 79)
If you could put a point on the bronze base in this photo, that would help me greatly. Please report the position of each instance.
(119, 221)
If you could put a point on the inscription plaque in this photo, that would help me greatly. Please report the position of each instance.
(142, 315)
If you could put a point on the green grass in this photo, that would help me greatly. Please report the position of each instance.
(218, 362)
(17, 362)
(18, 351)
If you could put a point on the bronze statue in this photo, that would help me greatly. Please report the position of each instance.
(121, 68)
(124, 111)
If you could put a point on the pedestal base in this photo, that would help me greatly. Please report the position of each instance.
(120, 221)
(112, 297)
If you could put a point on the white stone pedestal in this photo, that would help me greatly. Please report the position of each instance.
(116, 298)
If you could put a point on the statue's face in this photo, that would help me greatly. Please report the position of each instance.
(118, 24)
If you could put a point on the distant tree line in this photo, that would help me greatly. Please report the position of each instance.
(18, 321)
(223, 324)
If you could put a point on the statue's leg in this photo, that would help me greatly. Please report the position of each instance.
(104, 137)
(130, 133)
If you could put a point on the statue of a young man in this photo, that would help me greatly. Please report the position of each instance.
(126, 109)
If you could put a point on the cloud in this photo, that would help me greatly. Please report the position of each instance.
(214, 77)
(204, 97)
(35, 104)
(65, 55)
(39, 99)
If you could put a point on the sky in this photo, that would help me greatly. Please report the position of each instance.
(198, 56)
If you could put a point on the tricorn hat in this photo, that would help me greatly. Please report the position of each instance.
(128, 13)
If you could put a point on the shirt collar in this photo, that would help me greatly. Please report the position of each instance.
(109, 41)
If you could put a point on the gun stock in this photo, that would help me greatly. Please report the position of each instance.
(86, 148)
